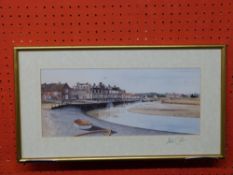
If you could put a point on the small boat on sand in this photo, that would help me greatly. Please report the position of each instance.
(106, 132)
(83, 124)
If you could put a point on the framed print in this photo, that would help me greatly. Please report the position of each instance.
(120, 102)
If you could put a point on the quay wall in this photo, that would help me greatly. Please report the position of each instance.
(92, 106)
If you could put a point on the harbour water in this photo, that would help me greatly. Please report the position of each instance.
(60, 122)
(121, 115)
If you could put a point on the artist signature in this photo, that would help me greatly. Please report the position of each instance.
(176, 140)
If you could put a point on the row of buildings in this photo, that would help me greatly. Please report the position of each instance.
(84, 91)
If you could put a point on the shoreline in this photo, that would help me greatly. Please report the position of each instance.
(154, 109)
(171, 110)
(60, 122)
(138, 129)
(181, 101)
(51, 129)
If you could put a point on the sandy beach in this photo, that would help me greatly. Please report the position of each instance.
(185, 101)
(142, 118)
(48, 106)
(153, 115)
(60, 123)
(175, 108)
(168, 109)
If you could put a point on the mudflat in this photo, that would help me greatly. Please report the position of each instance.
(177, 108)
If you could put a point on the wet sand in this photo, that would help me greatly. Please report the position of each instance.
(185, 101)
(167, 109)
(155, 108)
(60, 123)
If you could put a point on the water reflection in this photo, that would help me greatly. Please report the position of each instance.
(121, 115)
(60, 122)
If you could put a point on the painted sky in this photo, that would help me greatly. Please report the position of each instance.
(132, 80)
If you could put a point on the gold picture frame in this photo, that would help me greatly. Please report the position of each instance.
(29, 61)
